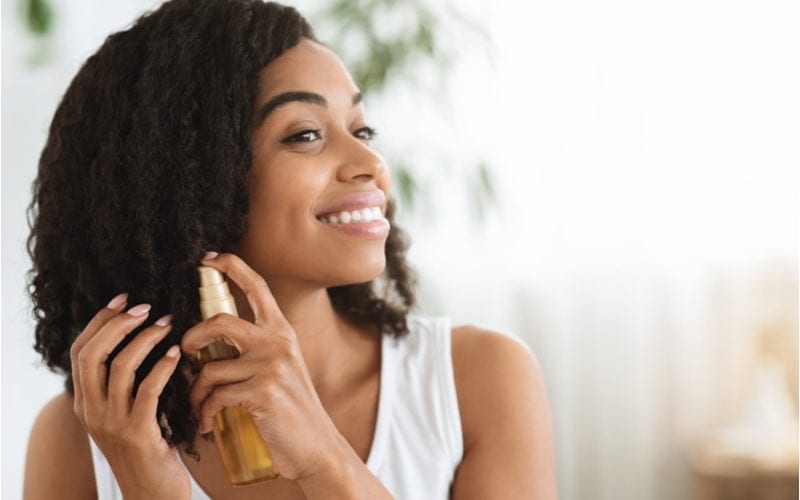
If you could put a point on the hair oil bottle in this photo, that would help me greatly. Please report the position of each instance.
(241, 446)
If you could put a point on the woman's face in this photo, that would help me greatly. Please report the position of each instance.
(311, 159)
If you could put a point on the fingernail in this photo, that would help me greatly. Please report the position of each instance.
(209, 255)
(118, 301)
(173, 351)
(139, 310)
(164, 320)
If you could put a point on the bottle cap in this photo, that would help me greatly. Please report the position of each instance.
(210, 276)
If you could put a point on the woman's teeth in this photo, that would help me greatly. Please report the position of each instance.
(353, 216)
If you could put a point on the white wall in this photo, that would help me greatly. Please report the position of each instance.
(646, 155)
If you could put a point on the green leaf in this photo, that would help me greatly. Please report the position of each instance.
(38, 16)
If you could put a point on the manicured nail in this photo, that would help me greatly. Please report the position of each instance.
(209, 255)
(139, 310)
(173, 351)
(164, 320)
(118, 301)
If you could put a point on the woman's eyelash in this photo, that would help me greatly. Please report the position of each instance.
(371, 132)
(298, 137)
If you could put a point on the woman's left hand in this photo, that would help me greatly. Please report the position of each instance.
(269, 378)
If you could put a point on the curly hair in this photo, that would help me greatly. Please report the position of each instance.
(145, 168)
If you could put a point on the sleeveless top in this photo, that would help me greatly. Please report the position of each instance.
(417, 444)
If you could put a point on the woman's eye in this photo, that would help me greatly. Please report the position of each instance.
(365, 133)
(369, 133)
(301, 136)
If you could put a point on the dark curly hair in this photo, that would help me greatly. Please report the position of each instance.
(145, 168)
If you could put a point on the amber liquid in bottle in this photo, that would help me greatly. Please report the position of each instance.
(241, 446)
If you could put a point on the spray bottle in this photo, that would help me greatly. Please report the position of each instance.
(241, 446)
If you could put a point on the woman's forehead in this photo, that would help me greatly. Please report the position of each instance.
(308, 67)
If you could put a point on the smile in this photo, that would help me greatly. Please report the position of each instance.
(359, 216)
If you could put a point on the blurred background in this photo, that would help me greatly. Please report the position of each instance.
(613, 182)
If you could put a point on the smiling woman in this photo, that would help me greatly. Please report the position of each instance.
(225, 125)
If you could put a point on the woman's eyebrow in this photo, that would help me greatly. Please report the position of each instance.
(297, 95)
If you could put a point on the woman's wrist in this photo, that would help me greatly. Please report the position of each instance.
(342, 474)
(333, 477)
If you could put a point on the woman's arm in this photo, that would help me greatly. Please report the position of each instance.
(59, 460)
(505, 416)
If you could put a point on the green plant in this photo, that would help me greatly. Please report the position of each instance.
(38, 16)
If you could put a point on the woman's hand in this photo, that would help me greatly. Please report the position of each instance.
(269, 378)
(125, 428)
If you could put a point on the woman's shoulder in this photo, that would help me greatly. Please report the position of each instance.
(482, 356)
(505, 416)
(58, 463)
(470, 340)
(491, 370)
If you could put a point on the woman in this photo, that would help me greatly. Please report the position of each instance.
(225, 125)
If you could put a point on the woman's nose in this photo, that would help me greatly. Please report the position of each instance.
(359, 162)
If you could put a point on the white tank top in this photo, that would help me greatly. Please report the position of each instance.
(417, 444)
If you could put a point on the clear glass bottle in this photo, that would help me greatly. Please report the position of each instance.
(241, 446)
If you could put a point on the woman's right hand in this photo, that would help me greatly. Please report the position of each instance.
(125, 428)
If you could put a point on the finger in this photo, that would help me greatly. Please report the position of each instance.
(216, 373)
(146, 402)
(222, 327)
(123, 368)
(93, 356)
(259, 296)
(221, 397)
(102, 317)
